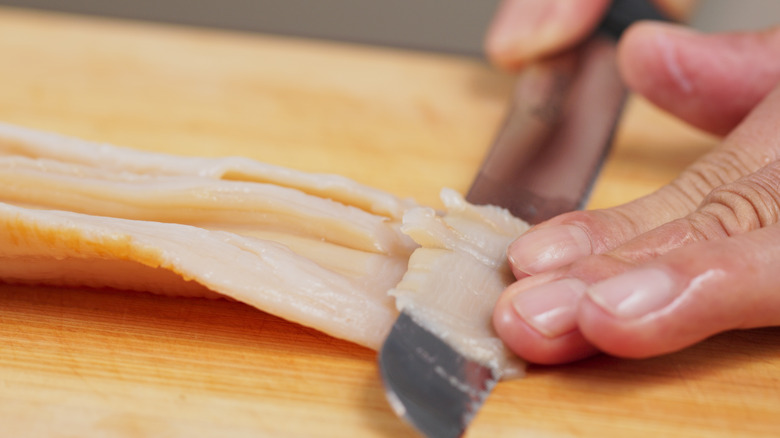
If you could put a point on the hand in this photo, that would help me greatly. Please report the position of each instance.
(695, 258)
(526, 30)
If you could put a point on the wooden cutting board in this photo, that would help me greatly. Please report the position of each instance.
(94, 363)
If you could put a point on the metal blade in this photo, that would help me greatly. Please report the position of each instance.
(430, 385)
(545, 159)
(543, 163)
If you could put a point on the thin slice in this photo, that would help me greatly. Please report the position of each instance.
(194, 200)
(456, 276)
(57, 247)
(320, 250)
(15, 140)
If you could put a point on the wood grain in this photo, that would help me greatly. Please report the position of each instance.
(99, 363)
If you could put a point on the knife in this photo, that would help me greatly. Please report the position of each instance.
(543, 162)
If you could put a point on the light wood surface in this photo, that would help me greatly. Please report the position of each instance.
(94, 363)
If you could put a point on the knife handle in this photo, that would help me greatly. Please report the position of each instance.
(624, 13)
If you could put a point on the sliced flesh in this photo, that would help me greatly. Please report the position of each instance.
(456, 276)
(319, 250)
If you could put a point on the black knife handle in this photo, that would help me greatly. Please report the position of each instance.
(624, 13)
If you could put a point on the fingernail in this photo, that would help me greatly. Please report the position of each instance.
(635, 293)
(548, 248)
(551, 308)
(670, 54)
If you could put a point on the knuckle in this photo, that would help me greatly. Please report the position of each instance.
(746, 204)
(716, 169)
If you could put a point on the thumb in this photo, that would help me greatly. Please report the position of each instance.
(524, 30)
(686, 296)
(528, 30)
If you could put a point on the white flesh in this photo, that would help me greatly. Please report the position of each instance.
(319, 250)
(455, 278)
(195, 200)
(18, 141)
(76, 213)
(99, 251)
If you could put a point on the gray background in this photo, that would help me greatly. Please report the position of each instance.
(441, 25)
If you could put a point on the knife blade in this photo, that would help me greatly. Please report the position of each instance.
(557, 133)
(543, 162)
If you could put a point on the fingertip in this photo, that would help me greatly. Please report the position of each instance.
(546, 248)
(616, 338)
(534, 347)
(559, 343)
(650, 62)
(525, 30)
